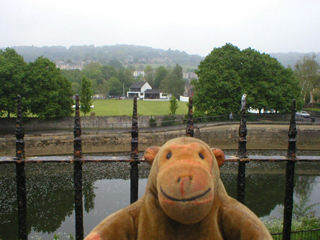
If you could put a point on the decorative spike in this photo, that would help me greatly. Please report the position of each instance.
(190, 127)
(77, 131)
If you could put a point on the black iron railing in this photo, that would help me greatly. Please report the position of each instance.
(77, 159)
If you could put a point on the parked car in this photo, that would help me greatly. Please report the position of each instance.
(303, 114)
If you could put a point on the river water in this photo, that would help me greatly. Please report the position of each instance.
(106, 189)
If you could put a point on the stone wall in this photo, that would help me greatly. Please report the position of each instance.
(265, 136)
(7, 126)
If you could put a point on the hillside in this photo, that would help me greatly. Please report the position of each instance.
(126, 54)
(290, 59)
(130, 55)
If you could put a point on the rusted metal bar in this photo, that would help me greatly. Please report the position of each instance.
(77, 173)
(292, 149)
(242, 151)
(190, 128)
(134, 171)
(20, 176)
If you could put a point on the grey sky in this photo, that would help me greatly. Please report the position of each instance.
(192, 26)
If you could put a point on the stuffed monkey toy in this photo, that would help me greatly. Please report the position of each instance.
(184, 199)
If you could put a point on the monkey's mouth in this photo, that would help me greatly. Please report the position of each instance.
(185, 199)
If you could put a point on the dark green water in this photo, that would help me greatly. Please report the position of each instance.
(106, 189)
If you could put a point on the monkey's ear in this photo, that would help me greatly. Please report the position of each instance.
(219, 154)
(150, 153)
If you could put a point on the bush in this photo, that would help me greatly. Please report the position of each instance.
(152, 122)
(168, 120)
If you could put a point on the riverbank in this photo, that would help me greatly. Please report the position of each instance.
(220, 135)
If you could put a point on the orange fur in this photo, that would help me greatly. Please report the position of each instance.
(184, 199)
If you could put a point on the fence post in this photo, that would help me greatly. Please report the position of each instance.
(77, 171)
(190, 128)
(291, 153)
(242, 151)
(134, 173)
(21, 176)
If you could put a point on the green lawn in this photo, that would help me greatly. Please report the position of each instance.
(113, 107)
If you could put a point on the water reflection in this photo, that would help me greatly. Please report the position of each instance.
(106, 188)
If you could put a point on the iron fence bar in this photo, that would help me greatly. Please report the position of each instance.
(77, 173)
(134, 171)
(20, 175)
(190, 128)
(291, 153)
(242, 151)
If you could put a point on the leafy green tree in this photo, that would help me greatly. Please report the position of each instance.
(161, 73)
(174, 83)
(307, 72)
(73, 75)
(149, 75)
(227, 73)
(108, 72)
(115, 86)
(93, 70)
(115, 63)
(173, 105)
(86, 95)
(12, 75)
(49, 93)
(76, 87)
(125, 76)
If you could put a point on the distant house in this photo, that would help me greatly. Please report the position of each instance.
(144, 91)
(137, 89)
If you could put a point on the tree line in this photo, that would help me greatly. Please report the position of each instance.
(114, 79)
(224, 76)
(129, 54)
(47, 91)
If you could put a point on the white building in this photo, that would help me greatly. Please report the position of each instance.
(143, 90)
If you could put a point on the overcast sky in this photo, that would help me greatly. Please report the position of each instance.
(193, 26)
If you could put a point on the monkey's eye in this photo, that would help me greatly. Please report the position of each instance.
(201, 156)
(169, 155)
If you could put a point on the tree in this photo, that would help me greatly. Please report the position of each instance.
(12, 76)
(93, 70)
(115, 86)
(173, 105)
(108, 72)
(227, 73)
(48, 93)
(161, 73)
(149, 75)
(115, 63)
(174, 83)
(125, 76)
(86, 95)
(307, 72)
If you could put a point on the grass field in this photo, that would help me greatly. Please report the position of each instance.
(113, 107)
